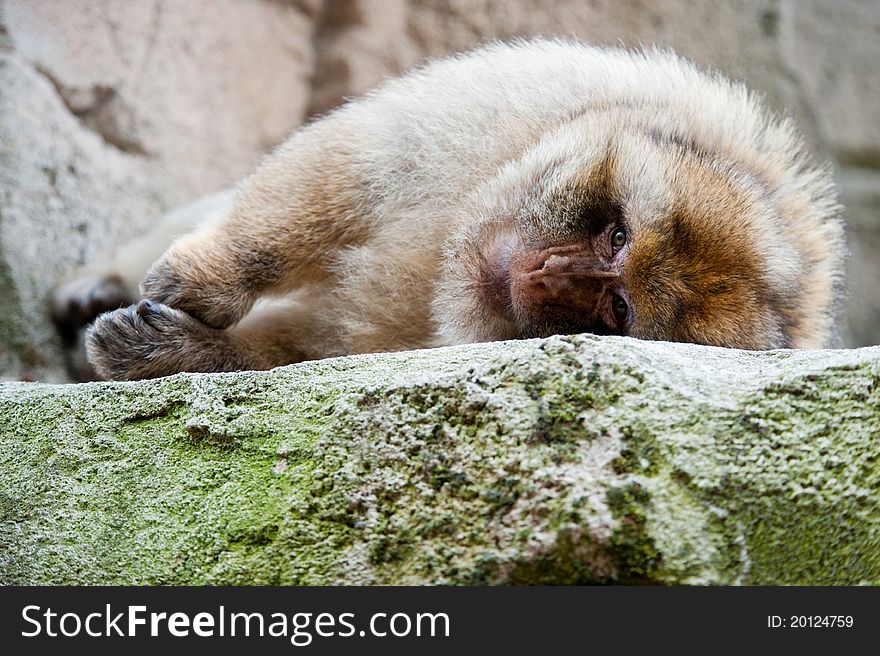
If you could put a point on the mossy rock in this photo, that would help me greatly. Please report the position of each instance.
(566, 460)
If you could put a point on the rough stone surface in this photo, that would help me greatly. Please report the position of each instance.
(360, 42)
(202, 86)
(113, 112)
(832, 49)
(65, 195)
(566, 460)
(860, 192)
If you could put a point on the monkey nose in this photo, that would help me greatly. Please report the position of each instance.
(557, 289)
(565, 276)
(568, 277)
(583, 267)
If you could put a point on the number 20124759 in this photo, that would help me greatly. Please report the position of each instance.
(810, 622)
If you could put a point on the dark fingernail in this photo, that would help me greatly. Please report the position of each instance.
(144, 308)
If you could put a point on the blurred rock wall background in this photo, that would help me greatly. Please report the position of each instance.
(112, 112)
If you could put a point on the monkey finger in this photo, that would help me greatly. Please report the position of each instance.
(150, 339)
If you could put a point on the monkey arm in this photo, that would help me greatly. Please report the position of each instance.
(112, 282)
(284, 228)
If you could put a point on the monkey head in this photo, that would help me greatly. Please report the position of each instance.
(623, 224)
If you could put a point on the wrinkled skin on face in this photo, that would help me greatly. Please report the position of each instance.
(641, 234)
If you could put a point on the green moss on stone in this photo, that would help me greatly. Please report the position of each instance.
(567, 460)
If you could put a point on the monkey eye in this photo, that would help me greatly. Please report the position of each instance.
(619, 309)
(618, 239)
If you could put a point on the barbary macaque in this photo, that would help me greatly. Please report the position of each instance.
(520, 190)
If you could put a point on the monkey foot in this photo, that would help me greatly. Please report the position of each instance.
(148, 340)
(77, 302)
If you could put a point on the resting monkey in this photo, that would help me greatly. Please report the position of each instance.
(519, 190)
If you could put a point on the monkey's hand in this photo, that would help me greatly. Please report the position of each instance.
(205, 287)
(148, 340)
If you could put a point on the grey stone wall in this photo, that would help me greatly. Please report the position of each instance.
(113, 112)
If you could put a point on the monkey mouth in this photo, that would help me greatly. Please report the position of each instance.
(502, 292)
(541, 290)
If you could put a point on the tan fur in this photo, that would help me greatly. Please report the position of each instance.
(391, 223)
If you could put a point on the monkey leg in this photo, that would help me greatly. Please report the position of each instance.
(286, 225)
(208, 276)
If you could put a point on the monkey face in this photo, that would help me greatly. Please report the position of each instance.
(624, 230)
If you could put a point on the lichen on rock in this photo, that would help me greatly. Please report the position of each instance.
(565, 460)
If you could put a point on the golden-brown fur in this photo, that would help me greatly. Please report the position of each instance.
(473, 200)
